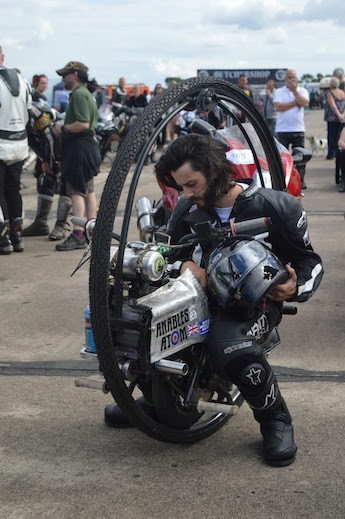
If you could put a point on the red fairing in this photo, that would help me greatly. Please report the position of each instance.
(245, 168)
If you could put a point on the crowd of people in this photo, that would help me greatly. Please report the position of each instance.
(283, 108)
(79, 98)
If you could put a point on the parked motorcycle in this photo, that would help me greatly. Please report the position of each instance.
(245, 152)
(106, 130)
(150, 329)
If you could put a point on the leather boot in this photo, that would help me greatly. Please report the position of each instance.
(259, 388)
(6, 246)
(342, 184)
(16, 234)
(276, 427)
(39, 226)
(64, 207)
(115, 417)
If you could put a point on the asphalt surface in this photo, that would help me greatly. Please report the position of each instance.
(58, 459)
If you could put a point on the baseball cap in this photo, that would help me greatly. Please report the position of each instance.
(72, 66)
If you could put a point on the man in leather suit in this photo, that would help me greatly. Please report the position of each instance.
(15, 103)
(197, 166)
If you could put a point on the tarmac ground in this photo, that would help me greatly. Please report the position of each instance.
(60, 461)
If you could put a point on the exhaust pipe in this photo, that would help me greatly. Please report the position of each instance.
(170, 366)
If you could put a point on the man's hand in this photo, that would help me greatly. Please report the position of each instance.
(291, 83)
(198, 272)
(57, 129)
(287, 289)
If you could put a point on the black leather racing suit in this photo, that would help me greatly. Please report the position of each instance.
(236, 347)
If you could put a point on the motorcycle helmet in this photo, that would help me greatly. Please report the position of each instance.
(241, 273)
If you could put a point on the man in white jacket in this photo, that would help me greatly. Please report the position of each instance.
(15, 102)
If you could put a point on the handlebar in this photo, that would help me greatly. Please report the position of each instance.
(204, 230)
(248, 226)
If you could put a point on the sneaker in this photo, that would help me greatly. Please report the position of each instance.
(72, 243)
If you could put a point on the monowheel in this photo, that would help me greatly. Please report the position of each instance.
(181, 425)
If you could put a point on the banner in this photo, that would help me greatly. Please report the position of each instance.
(255, 76)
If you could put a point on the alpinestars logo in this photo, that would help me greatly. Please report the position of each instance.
(270, 398)
(302, 220)
(254, 376)
(259, 328)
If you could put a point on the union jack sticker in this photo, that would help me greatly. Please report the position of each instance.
(193, 329)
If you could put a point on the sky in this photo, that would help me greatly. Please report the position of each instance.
(147, 41)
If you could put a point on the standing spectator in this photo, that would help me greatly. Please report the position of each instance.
(43, 172)
(99, 95)
(81, 158)
(157, 91)
(15, 102)
(63, 98)
(334, 115)
(40, 85)
(268, 110)
(119, 94)
(137, 100)
(289, 102)
(243, 85)
(339, 73)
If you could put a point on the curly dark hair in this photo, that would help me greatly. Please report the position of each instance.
(204, 154)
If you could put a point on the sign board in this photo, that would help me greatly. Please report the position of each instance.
(255, 76)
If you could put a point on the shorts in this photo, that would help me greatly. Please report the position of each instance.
(70, 190)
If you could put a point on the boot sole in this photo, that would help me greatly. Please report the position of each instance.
(118, 425)
(280, 463)
(74, 248)
(54, 238)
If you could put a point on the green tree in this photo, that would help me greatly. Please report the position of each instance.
(308, 78)
(168, 79)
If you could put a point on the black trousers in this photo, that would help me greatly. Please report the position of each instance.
(296, 139)
(10, 197)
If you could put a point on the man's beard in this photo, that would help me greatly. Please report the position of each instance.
(211, 195)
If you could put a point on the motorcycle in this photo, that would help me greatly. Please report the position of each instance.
(244, 162)
(150, 329)
(106, 130)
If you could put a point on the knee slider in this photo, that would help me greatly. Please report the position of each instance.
(46, 184)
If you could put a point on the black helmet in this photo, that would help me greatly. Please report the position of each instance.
(241, 273)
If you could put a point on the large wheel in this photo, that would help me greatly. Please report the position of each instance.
(205, 92)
